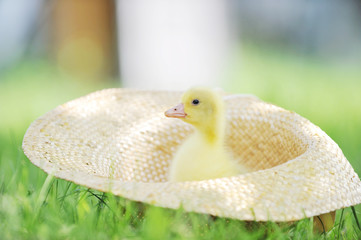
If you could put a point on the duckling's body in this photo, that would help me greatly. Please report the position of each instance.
(203, 155)
(197, 159)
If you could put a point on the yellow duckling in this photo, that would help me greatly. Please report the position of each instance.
(203, 155)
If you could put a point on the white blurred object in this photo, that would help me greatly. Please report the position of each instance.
(17, 17)
(172, 45)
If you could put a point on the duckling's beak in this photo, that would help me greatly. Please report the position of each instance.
(176, 112)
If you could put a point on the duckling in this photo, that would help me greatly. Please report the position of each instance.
(203, 155)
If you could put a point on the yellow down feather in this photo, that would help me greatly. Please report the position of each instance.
(203, 155)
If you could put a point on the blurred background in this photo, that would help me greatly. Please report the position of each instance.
(160, 45)
(302, 55)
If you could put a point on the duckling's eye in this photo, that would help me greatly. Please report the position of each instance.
(195, 102)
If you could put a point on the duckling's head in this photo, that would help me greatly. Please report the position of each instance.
(201, 107)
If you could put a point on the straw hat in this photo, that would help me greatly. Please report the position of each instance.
(118, 140)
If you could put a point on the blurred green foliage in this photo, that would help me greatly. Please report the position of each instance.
(36, 206)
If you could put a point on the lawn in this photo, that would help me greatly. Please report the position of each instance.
(34, 205)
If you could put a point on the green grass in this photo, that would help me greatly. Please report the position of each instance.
(36, 206)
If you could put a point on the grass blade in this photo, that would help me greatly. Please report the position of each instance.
(354, 214)
(340, 223)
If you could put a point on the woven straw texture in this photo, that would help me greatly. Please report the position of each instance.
(119, 140)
